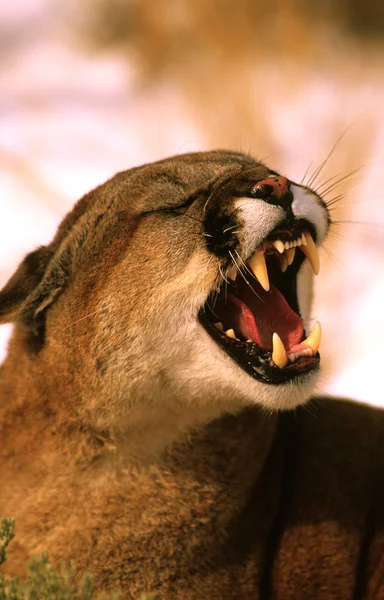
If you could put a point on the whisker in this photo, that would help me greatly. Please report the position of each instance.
(243, 276)
(349, 222)
(309, 410)
(222, 274)
(323, 182)
(334, 200)
(334, 258)
(306, 172)
(355, 201)
(322, 165)
(336, 183)
(91, 314)
(185, 214)
(207, 265)
(338, 235)
(229, 228)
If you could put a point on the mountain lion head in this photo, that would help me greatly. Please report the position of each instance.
(172, 293)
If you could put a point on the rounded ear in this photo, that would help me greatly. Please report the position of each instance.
(43, 273)
(15, 294)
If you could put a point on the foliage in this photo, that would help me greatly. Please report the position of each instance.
(44, 581)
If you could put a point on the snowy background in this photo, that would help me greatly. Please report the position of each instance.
(85, 94)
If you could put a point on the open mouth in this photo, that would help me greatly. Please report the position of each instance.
(255, 314)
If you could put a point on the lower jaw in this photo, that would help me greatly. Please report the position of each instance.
(257, 361)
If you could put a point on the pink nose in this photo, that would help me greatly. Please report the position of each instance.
(274, 190)
(278, 184)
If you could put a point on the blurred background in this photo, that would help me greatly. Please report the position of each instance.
(91, 88)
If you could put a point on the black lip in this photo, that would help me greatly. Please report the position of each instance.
(257, 361)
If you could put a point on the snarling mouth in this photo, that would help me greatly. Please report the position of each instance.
(255, 317)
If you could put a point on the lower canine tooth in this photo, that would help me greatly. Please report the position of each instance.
(310, 251)
(314, 339)
(279, 355)
(259, 269)
(283, 262)
(232, 273)
(290, 254)
(230, 333)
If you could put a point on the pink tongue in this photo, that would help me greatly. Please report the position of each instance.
(262, 313)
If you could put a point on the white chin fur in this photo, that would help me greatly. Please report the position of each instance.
(211, 374)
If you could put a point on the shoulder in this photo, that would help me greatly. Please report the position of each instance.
(351, 428)
(340, 438)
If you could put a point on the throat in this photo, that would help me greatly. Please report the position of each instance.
(224, 446)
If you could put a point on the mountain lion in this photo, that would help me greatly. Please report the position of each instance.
(159, 341)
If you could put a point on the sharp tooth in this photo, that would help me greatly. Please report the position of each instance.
(283, 262)
(293, 244)
(259, 269)
(290, 254)
(279, 355)
(230, 333)
(279, 245)
(298, 242)
(232, 273)
(311, 253)
(287, 246)
(219, 326)
(314, 339)
(303, 240)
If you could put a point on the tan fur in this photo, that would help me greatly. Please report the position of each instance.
(132, 444)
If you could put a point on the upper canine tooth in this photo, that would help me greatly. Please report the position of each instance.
(290, 254)
(219, 326)
(232, 273)
(303, 240)
(279, 354)
(311, 253)
(230, 333)
(259, 268)
(279, 245)
(314, 339)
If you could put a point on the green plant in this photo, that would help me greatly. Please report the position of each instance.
(43, 580)
(7, 533)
